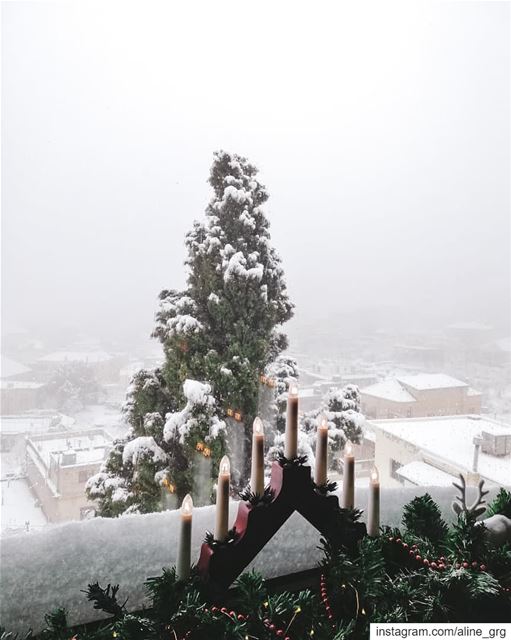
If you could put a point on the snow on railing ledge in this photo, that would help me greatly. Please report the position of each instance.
(49, 568)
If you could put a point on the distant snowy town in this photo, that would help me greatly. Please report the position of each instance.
(435, 405)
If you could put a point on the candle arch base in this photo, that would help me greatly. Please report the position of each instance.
(293, 490)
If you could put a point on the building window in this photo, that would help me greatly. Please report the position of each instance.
(409, 412)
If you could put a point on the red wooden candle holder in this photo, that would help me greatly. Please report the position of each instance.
(255, 525)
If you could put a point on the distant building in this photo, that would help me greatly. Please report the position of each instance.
(358, 379)
(18, 396)
(19, 391)
(421, 356)
(422, 395)
(15, 428)
(470, 332)
(433, 451)
(105, 366)
(58, 467)
(496, 353)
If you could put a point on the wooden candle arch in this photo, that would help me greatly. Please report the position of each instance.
(293, 490)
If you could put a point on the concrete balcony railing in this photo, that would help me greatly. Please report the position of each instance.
(46, 569)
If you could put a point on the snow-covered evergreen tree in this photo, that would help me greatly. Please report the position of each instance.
(341, 407)
(282, 371)
(223, 330)
(161, 455)
(73, 386)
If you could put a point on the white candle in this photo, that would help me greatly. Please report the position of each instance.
(348, 485)
(373, 507)
(222, 500)
(320, 473)
(185, 539)
(291, 444)
(257, 474)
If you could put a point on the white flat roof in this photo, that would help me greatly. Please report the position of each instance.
(88, 447)
(425, 475)
(423, 381)
(450, 438)
(390, 390)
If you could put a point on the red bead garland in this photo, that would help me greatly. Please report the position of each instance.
(324, 597)
(441, 564)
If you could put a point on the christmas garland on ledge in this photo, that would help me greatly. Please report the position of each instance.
(424, 572)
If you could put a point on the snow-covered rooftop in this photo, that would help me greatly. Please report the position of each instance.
(10, 368)
(450, 439)
(35, 422)
(77, 356)
(390, 390)
(20, 384)
(425, 475)
(423, 381)
(81, 447)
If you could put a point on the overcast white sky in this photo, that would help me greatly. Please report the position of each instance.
(381, 131)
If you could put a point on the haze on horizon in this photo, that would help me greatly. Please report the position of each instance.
(381, 133)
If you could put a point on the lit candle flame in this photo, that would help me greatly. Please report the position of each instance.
(375, 476)
(293, 389)
(225, 466)
(322, 422)
(258, 426)
(187, 506)
(348, 451)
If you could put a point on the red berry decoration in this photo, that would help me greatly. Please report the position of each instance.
(483, 567)
(465, 565)
(214, 609)
(474, 565)
(398, 541)
(411, 553)
(405, 545)
(232, 614)
(223, 609)
(434, 565)
(391, 539)
(280, 632)
(425, 562)
(441, 566)
(418, 558)
(272, 627)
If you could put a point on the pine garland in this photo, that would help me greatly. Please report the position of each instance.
(423, 573)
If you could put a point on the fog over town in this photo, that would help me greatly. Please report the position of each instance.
(382, 138)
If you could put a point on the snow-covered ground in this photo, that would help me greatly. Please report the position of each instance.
(19, 511)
